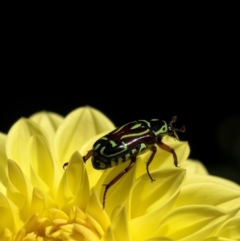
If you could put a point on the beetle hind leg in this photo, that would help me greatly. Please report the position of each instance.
(118, 177)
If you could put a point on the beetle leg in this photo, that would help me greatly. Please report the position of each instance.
(64, 165)
(85, 158)
(118, 177)
(154, 150)
(169, 149)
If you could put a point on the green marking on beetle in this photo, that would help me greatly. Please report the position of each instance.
(113, 163)
(97, 146)
(120, 160)
(134, 151)
(120, 128)
(136, 126)
(104, 138)
(135, 134)
(114, 154)
(113, 143)
(127, 156)
(101, 164)
(142, 147)
(149, 125)
(154, 119)
(163, 129)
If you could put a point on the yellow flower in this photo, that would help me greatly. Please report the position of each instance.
(41, 201)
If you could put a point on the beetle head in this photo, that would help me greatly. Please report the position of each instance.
(172, 130)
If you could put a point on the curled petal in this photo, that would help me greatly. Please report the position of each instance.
(74, 185)
(77, 128)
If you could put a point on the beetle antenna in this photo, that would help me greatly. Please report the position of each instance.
(174, 119)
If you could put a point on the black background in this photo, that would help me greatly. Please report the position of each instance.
(191, 73)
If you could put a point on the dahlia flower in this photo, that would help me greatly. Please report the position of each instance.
(39, 200)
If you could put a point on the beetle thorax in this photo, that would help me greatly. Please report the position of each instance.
(159, 127)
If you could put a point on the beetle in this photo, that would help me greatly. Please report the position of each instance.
(127, 142)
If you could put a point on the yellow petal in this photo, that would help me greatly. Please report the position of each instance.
(185, 224)
(74, 186)
(77, 128)
(83, 222)
(230, 229)
(120, 224)
(146, 197)
(86, 233)
(6, 235)
(197, 178)
(194, 166)
(108, 236)
(95, 210)
(195, 222)
(9, 217)
(19, 188)
(41, 202)
(58, 217)
(49, 121)
(208, 192)
(3, 162)
(17, 142)
(160, 239)
(43, 165)
(218, 239)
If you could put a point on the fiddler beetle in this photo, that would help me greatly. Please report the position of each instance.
(127, 142)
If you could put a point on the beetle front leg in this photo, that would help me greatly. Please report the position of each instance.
(168, 149)
(85, 158)
(118, 177)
